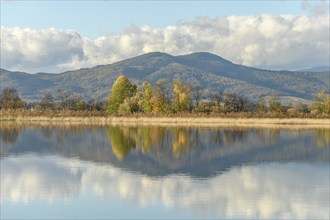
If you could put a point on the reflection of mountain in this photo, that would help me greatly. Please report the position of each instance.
(164, 150)
(255, 191)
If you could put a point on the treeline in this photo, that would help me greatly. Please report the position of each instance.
(10, 99)
(170, 98)
(178, 97)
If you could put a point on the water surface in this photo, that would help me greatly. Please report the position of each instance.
(65, 172)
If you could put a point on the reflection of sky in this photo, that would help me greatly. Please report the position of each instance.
(265, 191)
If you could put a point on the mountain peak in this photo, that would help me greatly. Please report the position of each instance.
(154, 55)
(317, 69)
(205, 56)
(147, 58)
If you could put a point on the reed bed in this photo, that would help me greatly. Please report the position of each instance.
(99, 118)
(12, 114)
(166, 121)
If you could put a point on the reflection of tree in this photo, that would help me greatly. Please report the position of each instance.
(47, 132)
(163, 149)
(167, 142)
(274, 135)
(322, 137)
(160, 141)
(216, 136)
(231, 136)
(144, 139)
(176, 142)
(66, 133)
(121, 140)
(150, 137)
(181, 143)
(9, 134)
(261, 135)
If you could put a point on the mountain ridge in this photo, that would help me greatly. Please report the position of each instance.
(204, 69)
(316, 69)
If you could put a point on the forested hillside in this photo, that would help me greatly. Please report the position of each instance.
(205, 70)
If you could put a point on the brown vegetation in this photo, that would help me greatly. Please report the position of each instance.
(95, 118)
(12, 114)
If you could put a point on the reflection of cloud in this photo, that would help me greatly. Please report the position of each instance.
(263, 191)
(25, 178)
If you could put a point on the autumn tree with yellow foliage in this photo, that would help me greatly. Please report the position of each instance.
(160, 101)
(182, 100)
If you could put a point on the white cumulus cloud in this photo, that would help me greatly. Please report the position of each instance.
(283, 42)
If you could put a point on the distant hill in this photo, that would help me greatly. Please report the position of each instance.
(317, 69)
(204, 69)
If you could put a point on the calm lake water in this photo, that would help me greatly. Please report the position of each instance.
(129, 172)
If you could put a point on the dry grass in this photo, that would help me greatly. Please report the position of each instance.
(225, 122)
(200, 122)
(82, 125)
(14, 113)
(99, 118)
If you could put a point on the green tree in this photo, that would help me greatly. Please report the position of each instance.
(145, 103)
(9, 98)
(81, 104)
(321, 104)
(121, 89)
(130, 105)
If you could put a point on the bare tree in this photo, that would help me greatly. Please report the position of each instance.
(234, 102)
(47, 101)
(262, 103)
(216, 97)
(64, 95)
(197, 93)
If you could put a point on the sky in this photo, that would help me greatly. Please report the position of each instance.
(55, 36)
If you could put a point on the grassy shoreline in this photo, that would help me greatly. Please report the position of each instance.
(188, 119)
(174, 121)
